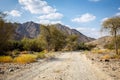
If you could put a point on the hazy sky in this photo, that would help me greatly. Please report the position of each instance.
(83, 15)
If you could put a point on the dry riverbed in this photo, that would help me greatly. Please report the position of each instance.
(66, 66)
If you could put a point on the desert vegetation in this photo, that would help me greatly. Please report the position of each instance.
(29, 50)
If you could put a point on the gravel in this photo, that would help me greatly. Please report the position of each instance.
(66, 66)
(111, 67)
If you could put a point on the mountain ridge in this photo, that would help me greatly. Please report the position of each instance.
(32, 30)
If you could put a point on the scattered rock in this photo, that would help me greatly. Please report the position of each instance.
(109, 66)
(2, 72)
(11, 70)
(114, 69)
(107, 60)
(92, 59)
(61, 79)
(17, 68)
(43, 77)
(100, 60)
(113, 75)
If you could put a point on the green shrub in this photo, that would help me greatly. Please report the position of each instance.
(15, 45)
(36, 44)
(83, 46)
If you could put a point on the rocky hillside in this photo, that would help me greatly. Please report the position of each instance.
(32, 30)
(67, 30)
(28, 29)
(101, 42)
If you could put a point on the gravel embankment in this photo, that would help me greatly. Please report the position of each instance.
(111, 67)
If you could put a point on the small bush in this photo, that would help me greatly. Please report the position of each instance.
(116, 57)
(41, 55)
(51, 54)
(25, 58)
(6, 59)
(83, 46)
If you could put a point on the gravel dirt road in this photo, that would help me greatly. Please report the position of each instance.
(66, 66)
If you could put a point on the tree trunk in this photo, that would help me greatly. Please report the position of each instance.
(115, 41)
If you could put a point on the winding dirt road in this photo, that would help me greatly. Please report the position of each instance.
(67, 66)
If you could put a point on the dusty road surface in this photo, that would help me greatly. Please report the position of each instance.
(67, 66)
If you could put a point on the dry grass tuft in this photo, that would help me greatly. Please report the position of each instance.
(6, 59)
(106, 57)
(100, 51)
(25, 58)
(116, 57)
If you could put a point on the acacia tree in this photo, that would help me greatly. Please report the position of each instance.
(55, 39)
(46, 34)
(72, 42)
(112, 25)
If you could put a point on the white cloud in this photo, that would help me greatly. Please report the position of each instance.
(94, 0)
(117, 14)
(49, 22)
(14, 13)
(84, 18)
(52, 16)
(119, 8)
(68, 26)
(104, 19)
(37, 6)
(44, 21)
(90, 32)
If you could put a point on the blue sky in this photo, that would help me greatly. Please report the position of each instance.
(83, 15)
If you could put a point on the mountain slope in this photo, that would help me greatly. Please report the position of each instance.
(28, 29)
(67, 30)
(32, 30)
(101, 42)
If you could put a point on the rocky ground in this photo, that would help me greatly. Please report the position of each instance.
(67, 66)
(109, 66)
(12, 68)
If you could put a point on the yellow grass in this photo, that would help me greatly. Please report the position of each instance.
(106, 57)
(25, 58)
(100, 51)
(6, 59)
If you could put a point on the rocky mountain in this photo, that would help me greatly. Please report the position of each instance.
(28, 29)
(32, 30)
(67, 30)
